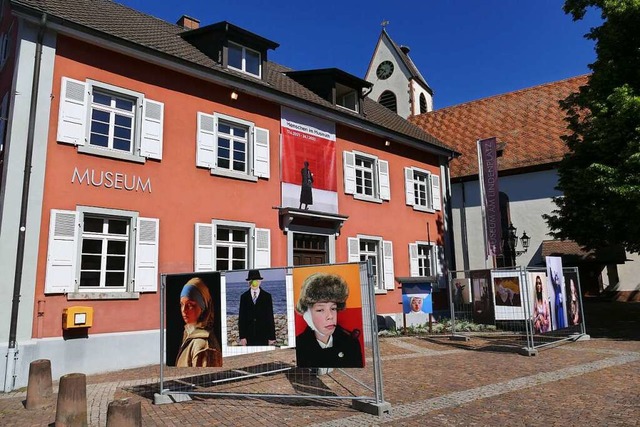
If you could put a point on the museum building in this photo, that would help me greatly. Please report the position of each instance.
(152, 148)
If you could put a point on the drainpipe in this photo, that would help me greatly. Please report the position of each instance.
(12, 352)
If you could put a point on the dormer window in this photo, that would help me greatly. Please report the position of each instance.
(244, 59)
(346, 97)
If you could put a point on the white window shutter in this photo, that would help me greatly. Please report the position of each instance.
(349, 163)
(206, 141)
(435, 192)
(389, 275)
(4, 117)
(72, 117)
(262, 248)
(383, 179)
(414, 269)
(204, 258)
(152, 132)
(61, 275)
(353, 249)
(261, 152)
(438, 254)
(409, 189)
(146, 266)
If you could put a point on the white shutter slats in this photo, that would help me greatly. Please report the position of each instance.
(204, 257)
(353, 249)
(414, 269)
(262, 248)
(261, 152)
(435, 192)
(349, 167)
(62, 253)
(146, 264)
(383, 174)
(389, 275)
(206, 141)
(152, 132)
(408, 187)
(72, 116)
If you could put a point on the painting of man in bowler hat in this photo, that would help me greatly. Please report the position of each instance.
(256, 325)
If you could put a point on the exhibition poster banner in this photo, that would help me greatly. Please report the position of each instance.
(328, 320)
(556, 292)
(483, 311)
(572, 291)
(417, 303)
(508, 296)
(488, 166)
(541, 310)
(309, 177)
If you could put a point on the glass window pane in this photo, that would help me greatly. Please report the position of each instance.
(239, 147)
(124, 104)
(114, 279)
(252, 62)
(224, 128)
(90, 278)
(91, 246)
(116, 247)
(115, 263)
(238, 166)
(99, 128)
(238, 265)
(118, 226)
(235, 56)
(100, 116)
(99, 140)
(240, 132)
(93, 225)
(90, 262)
(239, 253)
(223, 163)
(122, 132)
(124, 121)
(223, 234)
(222, 252)
(239, 236)
(222, 264)
(122, 144)
(224, 143)
(101, 98)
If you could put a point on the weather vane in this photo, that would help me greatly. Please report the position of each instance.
(384, 23)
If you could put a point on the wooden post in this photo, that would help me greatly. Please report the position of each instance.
(39, 387)
(71, 410)
(123, 413)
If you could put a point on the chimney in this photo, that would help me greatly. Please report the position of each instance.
(188, 23)
(405, 49)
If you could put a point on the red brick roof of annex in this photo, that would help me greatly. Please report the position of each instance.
(529, 122)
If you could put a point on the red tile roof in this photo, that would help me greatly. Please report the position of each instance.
(529, 121)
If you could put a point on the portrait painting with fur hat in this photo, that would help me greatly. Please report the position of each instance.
(192, 310)
(328, 308)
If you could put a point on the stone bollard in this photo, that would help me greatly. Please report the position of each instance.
(122, 413)
(72, 401)
(39, 387)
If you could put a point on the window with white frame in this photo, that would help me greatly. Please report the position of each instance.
(232, 147)
(426, 259)
(380, 253)
(110, 121)
(366, 176)
(244, 59)
(101, 251)
(347, 97)
(229, 245)
(422, 189)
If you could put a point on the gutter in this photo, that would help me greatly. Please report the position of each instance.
(222, 78)
(12, 353)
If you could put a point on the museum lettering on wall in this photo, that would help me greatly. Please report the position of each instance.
(109, 179)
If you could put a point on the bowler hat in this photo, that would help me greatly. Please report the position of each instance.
(254, 275)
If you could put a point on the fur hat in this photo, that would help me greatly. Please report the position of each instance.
(322, 287)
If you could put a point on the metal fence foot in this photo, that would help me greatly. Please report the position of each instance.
(525, 351)
(371, 407)
(161, 399)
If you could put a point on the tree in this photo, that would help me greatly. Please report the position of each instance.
(600, 175)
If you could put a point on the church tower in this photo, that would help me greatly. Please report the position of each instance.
(397, 83)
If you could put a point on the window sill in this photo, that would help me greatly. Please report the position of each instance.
(423, 209)
(367, 198)
(232, 174)
(79, 296)
(84, 149)
(381, 292)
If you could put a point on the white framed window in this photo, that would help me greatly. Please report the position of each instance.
(422, 189)
(232, 147)
(243, 59)
(427, 259)
(230, 245)
(106, 120)
(366, 176)
(347, 97)
(101, 253)
(380, 252)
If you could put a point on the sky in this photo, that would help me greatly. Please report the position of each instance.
(465, 49)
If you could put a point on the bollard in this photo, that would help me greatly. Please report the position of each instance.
(39, 387)
(122, 413)
(71, 410)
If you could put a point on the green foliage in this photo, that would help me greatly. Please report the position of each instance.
(600, 177)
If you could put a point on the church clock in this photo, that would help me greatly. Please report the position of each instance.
(384, 70)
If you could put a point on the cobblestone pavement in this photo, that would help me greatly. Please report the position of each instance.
(427, 381)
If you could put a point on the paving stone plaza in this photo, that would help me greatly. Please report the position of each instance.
(429, 381)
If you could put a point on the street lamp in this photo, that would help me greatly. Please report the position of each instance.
(513, 240)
